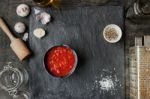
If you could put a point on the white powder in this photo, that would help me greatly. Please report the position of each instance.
(106, 84)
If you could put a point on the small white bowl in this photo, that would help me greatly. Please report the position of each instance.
(118, 31)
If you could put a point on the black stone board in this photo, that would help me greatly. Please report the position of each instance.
(81, 28)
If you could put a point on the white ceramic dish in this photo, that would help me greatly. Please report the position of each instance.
(118, 31)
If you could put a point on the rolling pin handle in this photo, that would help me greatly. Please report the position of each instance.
(6, 30)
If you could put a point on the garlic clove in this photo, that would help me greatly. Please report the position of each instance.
(39, 33)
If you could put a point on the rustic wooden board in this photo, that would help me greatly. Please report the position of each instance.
(81, 28)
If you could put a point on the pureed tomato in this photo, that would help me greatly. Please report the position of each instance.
(60, 61)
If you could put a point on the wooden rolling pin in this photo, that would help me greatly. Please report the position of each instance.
(17, 45)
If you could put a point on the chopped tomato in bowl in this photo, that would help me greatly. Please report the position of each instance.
(60, 61)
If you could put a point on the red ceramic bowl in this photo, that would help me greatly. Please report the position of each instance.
(60, 61)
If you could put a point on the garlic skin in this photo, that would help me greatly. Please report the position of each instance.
(25, 37)
(36, 11)
(43, 17)
(20, 27)
(39, 33)
(23, 10)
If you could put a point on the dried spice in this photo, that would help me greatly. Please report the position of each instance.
(111, 34)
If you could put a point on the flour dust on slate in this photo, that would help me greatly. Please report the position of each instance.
(107, 82)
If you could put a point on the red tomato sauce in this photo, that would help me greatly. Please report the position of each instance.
(60, 61)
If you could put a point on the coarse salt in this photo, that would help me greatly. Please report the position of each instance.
(106, 84)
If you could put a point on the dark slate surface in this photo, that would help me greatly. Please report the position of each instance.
(80, 28)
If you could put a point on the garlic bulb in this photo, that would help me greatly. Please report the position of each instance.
(20, 27)
(23, 10)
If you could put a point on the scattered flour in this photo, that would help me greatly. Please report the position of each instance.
(107, 82)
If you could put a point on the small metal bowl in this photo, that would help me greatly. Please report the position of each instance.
(74, 67)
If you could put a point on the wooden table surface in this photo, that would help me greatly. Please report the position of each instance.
(133, 27)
